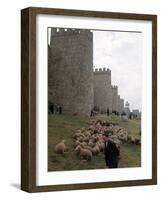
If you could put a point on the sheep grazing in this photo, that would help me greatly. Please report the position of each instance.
(88, 147)
(86, 139)
(85, 154)
(84, 144)
(91, 143)
(77, 149)
(77, 134)
(123, 137)
(91, 128)
(133, 140)
(83, 129)
(87, 133)
(61, 148)
(95, 150)
(77, 142)
(80, 138)
(101, 146)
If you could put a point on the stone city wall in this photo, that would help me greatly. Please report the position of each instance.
(70, 70)
(102, 89)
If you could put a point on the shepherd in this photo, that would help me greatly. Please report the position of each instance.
(112, 153)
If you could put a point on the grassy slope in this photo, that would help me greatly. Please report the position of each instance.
(63, 126)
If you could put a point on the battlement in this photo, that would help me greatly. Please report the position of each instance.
(102, 71)
(57, 32)
(127, 104)
(114, 87)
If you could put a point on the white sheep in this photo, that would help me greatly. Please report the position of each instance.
(77, 149)
(77, 135)
(84, 153)
(95, 150)
(91, 143)
(61, 147)
(88, 147)
(77, 142)
(101, 145)
(86, 139)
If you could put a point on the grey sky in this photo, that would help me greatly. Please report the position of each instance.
(122, 53)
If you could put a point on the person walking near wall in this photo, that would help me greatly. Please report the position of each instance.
(108, 112)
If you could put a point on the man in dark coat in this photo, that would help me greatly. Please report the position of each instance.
(92, 113)
(51, 108)
(60, 110)
(111, 152)
(108, 112)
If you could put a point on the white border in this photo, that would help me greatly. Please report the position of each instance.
(43, 177)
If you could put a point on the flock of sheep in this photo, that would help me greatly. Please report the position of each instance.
(88, 142)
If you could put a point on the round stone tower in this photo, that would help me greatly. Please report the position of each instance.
(127, 108)
(70, 70)
(115, 98)
(102, 89)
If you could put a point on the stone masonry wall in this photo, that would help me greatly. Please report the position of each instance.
(102, 89)
(115, 98)
(70, 70)
(120, 105)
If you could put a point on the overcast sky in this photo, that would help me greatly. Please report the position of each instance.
(121, 52)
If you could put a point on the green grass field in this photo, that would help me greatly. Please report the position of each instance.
(63, 126)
